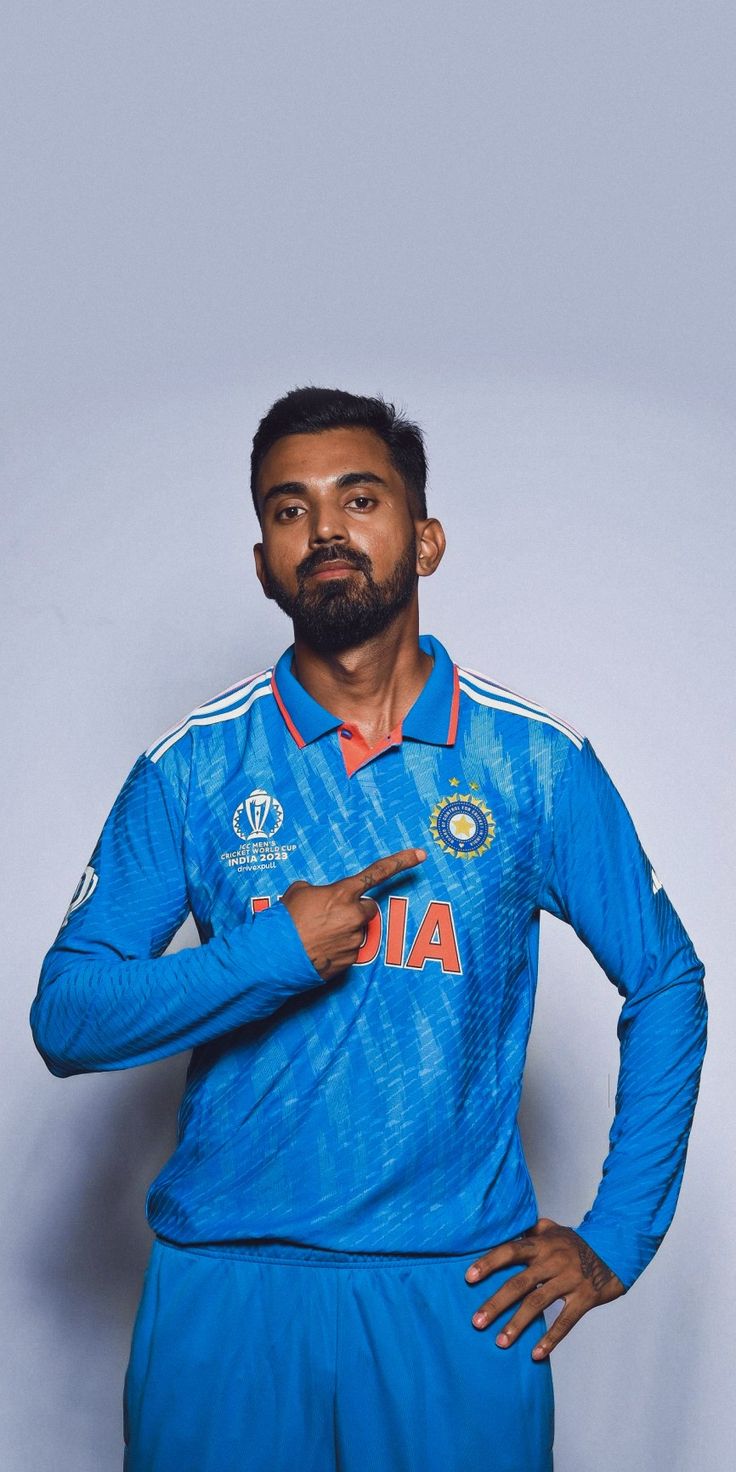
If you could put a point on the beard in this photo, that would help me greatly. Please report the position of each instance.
(341, 613)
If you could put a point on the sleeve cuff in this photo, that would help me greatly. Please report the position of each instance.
(276, 930)
(625, 1252)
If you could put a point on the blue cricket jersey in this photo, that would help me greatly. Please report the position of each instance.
(376, 1112)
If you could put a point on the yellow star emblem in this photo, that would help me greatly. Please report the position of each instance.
(454, 781)
(474, 786)
(463, 828)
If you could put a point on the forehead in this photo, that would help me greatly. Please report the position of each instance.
(322, 457)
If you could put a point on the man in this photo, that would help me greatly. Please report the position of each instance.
(349, 1163)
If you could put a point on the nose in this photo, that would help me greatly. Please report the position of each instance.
(326, 524)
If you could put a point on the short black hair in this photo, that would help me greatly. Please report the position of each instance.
(310, 410)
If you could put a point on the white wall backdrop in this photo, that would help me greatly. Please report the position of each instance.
(518, 223)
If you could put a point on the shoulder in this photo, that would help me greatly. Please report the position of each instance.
(232, 704)
(509, 706)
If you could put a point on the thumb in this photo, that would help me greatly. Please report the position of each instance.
(544, 1223)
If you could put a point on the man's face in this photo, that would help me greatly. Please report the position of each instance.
(339, 549)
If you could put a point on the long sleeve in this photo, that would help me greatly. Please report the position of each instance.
(601, 882)
(107, 998)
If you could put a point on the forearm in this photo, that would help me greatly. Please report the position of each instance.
(93, 1014)
(663, 1038)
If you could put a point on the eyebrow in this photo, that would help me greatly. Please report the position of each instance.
(297, 487)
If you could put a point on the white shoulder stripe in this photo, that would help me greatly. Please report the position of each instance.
(504, 700)
(218, 702)
(490, 686)
(222, 707)
(212, 720)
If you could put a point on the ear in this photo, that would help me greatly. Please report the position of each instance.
(261, 572)
(431, 545)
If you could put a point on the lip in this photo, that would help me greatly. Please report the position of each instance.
(334, 569)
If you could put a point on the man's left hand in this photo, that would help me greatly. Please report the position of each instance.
(557, 1264)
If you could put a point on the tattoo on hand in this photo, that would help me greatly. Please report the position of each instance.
(592, 1267)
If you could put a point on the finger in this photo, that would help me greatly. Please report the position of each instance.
(382, 869)
(519, 1249)
(368, 907)
(532, 1306)
(509, 1293)
(565, 1321)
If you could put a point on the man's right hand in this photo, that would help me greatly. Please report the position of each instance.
(332, 918)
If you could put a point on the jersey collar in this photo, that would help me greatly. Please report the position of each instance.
(432, 717)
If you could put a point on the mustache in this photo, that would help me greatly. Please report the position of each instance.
(319, 559)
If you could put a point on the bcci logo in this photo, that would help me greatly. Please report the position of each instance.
(260, 816)
(462, 824)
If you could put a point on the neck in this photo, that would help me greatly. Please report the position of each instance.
(373, 685)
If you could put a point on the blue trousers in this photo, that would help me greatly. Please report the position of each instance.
(279, 1358)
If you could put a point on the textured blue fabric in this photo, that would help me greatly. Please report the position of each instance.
(327, 1363)
(376, 1112)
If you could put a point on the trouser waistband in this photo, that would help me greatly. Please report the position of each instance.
(273, 1250)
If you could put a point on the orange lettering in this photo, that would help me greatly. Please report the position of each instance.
(371, 945)
(396, 929)
(436, 939)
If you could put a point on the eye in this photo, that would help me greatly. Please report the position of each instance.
(366, 501)
(284, 513)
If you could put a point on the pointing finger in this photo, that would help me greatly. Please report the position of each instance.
(384, 868)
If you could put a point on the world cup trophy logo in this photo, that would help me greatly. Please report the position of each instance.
(256, 811)
(263, 813)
